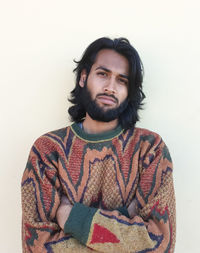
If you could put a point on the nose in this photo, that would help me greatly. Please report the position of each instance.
(110, 87)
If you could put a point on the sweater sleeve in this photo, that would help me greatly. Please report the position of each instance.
(151, 230)
(41, 194)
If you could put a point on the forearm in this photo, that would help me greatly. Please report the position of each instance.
(153, 229)
(40, 198)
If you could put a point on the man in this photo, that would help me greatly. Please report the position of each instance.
(101, 184)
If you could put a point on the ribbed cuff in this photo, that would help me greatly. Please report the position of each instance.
(124, 211)
(79, 222)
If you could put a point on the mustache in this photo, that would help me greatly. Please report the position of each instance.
(106, 95)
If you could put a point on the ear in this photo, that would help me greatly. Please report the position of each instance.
(83, 78)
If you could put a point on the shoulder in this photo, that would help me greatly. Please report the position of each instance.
(52, 138)
(152, 142)
(147, 134)
(143, 135)
(147, 140)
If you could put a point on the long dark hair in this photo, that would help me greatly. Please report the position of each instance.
(135, 94)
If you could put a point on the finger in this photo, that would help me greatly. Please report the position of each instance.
(132, 208)
(65, 200)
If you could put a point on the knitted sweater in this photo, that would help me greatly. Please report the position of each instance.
(100, 174)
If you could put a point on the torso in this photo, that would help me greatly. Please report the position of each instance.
(101, 172)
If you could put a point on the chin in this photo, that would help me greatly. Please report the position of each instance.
(107, 107)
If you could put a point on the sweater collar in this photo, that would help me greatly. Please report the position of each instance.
(105, 136)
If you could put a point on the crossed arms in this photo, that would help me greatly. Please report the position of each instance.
(54, 224)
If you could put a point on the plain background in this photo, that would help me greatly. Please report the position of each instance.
(39, 40)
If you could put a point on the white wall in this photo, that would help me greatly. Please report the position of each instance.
(39, 40)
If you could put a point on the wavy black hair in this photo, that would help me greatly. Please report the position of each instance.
(135, 94)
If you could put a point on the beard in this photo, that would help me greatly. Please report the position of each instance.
(98, 113)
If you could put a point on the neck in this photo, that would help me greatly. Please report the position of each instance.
(91, 126)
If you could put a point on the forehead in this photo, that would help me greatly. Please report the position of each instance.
(112, 60)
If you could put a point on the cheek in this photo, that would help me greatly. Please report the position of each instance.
(123, 93)
(94, 87)
(92, 90)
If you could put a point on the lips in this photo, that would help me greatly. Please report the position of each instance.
(105, 99)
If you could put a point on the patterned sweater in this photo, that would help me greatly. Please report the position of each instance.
(100, 174)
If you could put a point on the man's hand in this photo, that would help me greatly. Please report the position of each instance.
(63, 211)
(132, 209)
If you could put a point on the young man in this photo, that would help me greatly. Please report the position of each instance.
(101, 184)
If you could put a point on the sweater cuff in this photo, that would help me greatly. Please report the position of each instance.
(79, 222)
(124, 211)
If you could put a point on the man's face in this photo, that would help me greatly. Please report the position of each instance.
(106, 91)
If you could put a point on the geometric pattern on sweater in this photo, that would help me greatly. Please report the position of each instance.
(105, 172)
(102, 235)
(66, 244)
(134, 243)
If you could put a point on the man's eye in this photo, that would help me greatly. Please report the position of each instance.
(102, 74)
(123, 81)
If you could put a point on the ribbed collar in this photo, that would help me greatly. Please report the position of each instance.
(106, 136)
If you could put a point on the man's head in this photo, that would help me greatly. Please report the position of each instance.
(108, 83)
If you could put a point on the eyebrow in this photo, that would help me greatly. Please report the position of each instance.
(109, 71)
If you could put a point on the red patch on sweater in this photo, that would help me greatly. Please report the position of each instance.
(103, 235)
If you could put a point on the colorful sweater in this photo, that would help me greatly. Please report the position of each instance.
(100, 174)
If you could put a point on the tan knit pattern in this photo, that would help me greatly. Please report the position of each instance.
(102, 182)
(72, 246)
(29, 203)
(132, 238)
(95, 183)
(110, 190)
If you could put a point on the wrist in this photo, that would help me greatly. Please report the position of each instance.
(63, 215)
